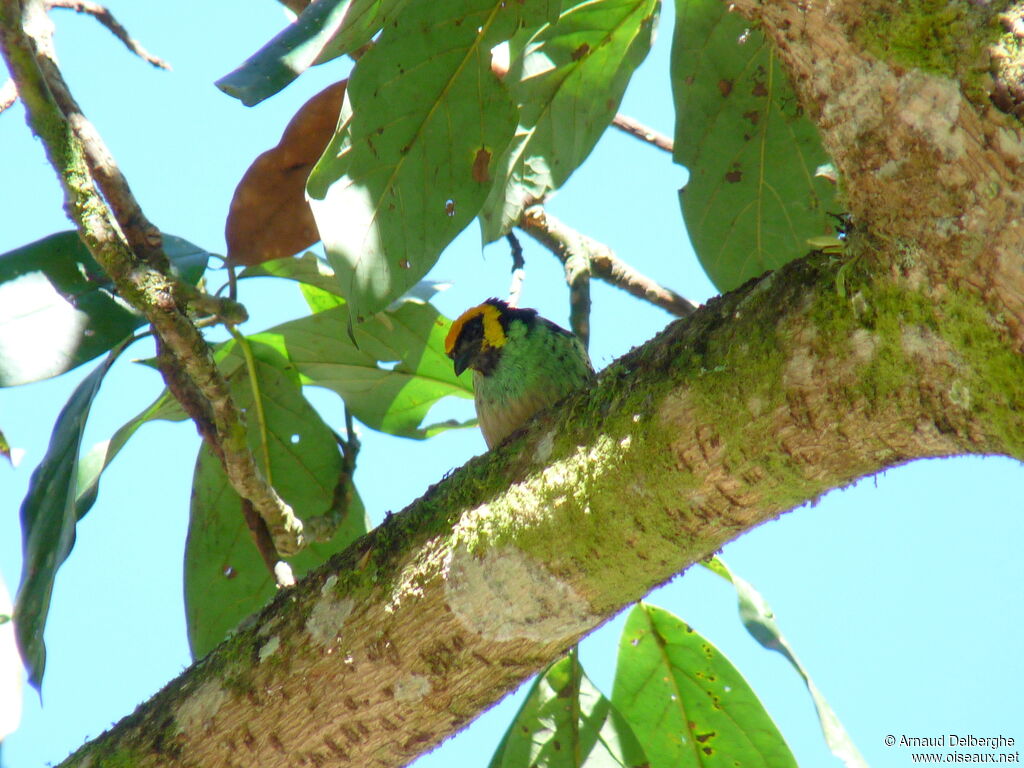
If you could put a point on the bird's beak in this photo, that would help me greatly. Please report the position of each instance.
(462, 358)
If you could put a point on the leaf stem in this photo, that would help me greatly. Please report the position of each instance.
(257, 398)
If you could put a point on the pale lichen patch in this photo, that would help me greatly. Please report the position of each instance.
(931, 106)
(544, 447)
(798, 372)
(269, 648)
(863, 344)
(329, 613)
(412, 688)
(960, 394)
(924, 344)
(507, 595)
(199, 707)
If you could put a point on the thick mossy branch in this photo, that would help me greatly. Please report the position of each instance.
(930, 163)
(761, 401)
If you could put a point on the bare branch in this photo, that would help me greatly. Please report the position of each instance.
(642, 132)
(106, 18)
(564, 241)
(99, 201)
(577, 275)
(515, 288)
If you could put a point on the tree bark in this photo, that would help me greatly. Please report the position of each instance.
(826, 371)
(763, 400)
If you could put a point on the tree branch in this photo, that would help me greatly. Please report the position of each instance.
(888, 127)
(639, 130)
(106, 18)
(761, 401)
(601, 261)
(129, 248)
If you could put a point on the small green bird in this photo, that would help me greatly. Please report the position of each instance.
(521, 364)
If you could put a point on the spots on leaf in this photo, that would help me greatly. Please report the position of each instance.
(724, 87)
(481, 174)
(580, 52)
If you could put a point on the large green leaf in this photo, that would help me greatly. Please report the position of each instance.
(225, 577)
(390, 376)
(568, 80)
(759, 619)
(48, 519)
(565, 722)
(324, 30)
(423, 124)
(752, 199)
(687, 704)
(58, 308)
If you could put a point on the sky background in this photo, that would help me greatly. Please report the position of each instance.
(901, 595)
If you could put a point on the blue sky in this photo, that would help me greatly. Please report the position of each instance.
(901, 595)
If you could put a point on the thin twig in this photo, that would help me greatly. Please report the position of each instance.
(563, 241)
(8, 94)
(642, 132)
(577, 275)
(106, 18)
(515, 288)
(98, 200)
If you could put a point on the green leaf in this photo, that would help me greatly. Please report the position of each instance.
(423, 123)
(98, 458)
(568, 80)
(324, 30)
(565, 722)
(759, 619)
(307, 268)
(391, 379)
(752, 199)
(48, 518)
(225, 577)
(687, 704)
(58, 309)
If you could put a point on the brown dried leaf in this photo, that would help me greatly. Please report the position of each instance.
(269, 217)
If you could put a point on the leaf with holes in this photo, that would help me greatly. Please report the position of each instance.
(423, 124)
(225, 577)
(565, 722)
(687, 704)
(568, 80)
(752, 200)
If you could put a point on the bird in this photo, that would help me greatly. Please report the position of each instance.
(521, 362)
